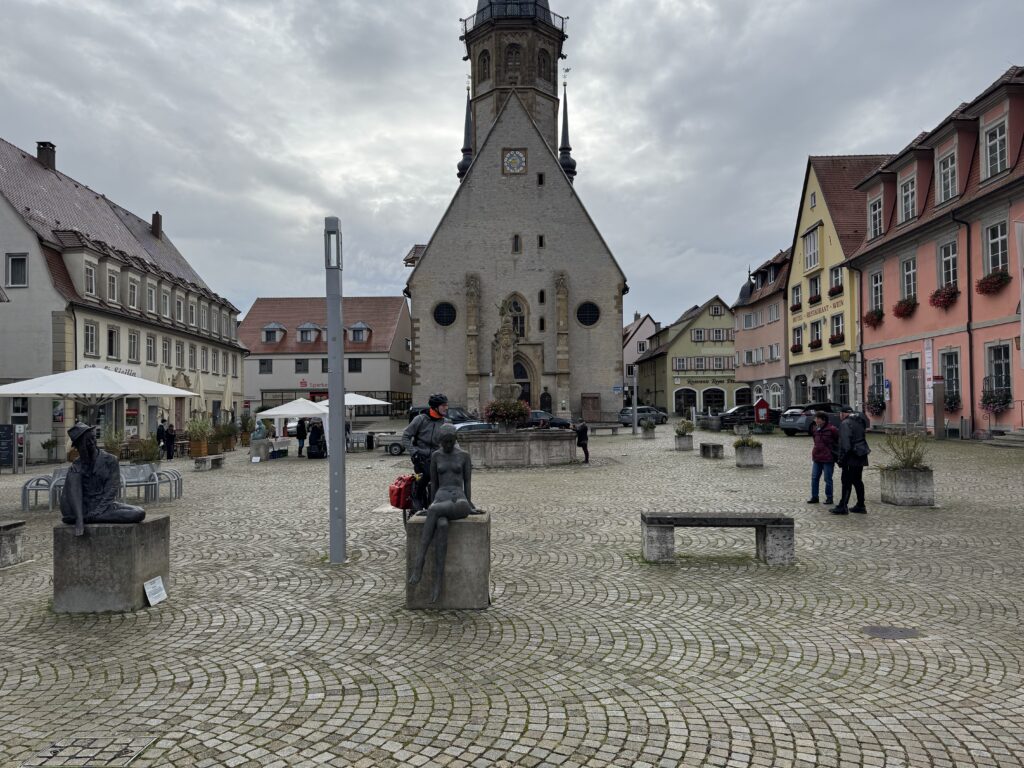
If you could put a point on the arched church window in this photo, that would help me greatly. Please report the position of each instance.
(517, 244)
(483, 68)
(518, 315)
(544, 65)
(540, 297)
(513, 58)
(519, 372)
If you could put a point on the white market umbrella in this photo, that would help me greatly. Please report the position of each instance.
(90, 387)
(296, 409)
(352, 399)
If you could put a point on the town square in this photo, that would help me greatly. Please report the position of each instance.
(511, 383)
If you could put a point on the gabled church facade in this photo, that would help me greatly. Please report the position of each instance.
(517, 239)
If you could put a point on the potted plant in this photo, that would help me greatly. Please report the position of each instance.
(906, 480)
(993, 282)
(834, 291)
(795, 306)
(506, 413)
(904, 308)
(953, 402)
(50, 446)
(873, 318)
(995, 401)
(796, 349)
(815, 299)
(647, 429)
(875, 404)
(944, 297)
(684, 435)
(748, 452)
(814, 344)
(836, 338)
(225, 434)
(148, 452)
(113, 439)
(248, 424)
(199, 431)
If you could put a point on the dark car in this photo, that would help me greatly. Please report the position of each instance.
(744, 414)
(800, 418)
(475, 426)
(642, 412)
(539, 418)
(456, 414)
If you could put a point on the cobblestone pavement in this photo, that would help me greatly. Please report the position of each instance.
(265, 655)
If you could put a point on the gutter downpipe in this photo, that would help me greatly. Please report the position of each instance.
(860, 335)
(970, 320)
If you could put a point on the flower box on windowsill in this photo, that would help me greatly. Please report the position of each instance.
(836, 338)
(873, 318)
(944, 297)
(993, 282)
(995, 401)
(904, 308)
(812, 300)
(796, 349)
(835, 290)
(814, 344)
(795, 307)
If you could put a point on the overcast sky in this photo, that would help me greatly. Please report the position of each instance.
(245, 123)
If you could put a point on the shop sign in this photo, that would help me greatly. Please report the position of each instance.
(127, 371)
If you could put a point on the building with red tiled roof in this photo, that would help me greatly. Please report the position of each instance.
(635, 342)
(760, 309)
(940, 270)
(88, 283)
(287, 343)
(822, 300)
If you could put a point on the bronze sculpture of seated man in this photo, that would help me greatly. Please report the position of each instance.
(450, 478)
(92, 486)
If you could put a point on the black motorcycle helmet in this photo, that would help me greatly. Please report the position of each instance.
(437, 400)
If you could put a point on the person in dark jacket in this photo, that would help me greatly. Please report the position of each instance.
(853, 457)
(160, 432)
(823, 456)
(421, 438)
(582, 439)
(300, 434)
(169, 437)
(317, 441)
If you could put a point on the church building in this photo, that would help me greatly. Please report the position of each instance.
(516, 239)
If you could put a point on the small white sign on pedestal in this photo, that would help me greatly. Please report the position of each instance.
(155, 592)
(255, 459)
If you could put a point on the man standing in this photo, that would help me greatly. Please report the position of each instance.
(300, 434)
(583, 438)
(160, 432)
(853, 457)
(421, 438)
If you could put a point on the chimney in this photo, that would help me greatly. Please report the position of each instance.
(158, 225)
(46, 154)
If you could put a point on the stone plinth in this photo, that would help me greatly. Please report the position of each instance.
(684, 442)
(467, 570)
(260, 448)
(105, 569)
(749, 456)
(711, 451)
(527, 448)
(12, 550)
(776, 544)
(908, 487)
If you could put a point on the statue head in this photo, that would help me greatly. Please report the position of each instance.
(446, 437)
(83, 438)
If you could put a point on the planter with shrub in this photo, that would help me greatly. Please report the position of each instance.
(906, 480)
(834, 291)
(647, 429)
(199, 431)
(905, 308)
(944, 297)
(684, 435)
(873, 318)
(993, 282)
(953, 402)
(749, 452)
(814, 344)
(506, 413)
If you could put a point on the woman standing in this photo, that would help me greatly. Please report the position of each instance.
(823, 456)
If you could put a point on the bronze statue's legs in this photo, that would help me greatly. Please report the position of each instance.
(440, 552)
(438, 515)
(119, 513)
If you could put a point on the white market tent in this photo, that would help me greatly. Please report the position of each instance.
(352, 400)
(298, 409)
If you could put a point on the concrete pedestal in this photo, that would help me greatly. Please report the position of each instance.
(105, 569)
(711, 451)
(659, 542)
(12, 550)
(776, 544)
(260, 448)
(467, 573)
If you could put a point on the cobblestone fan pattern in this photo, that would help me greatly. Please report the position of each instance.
(265, 655)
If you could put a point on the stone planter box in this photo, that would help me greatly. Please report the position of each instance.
(647, 434)
(711, 451)
(12, 550)
(684, 442)
(746, 456)
(542, 448)
(908, 487)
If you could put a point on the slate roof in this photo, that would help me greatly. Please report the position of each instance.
(838, 176)
(381, 313)
(973, 188)
(782, 261)
(67, 214)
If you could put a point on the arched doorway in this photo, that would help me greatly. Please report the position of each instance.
(545, 401)
(713, 400)
(742, 396)
(841, 387)
(775, 396)
(685, 399)
(800, 390)
(522, 377)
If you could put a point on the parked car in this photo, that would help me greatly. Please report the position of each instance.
(537, 418)
(800, 418)
(642, 412)
(744, 414)
(475, 426)
(456, 414)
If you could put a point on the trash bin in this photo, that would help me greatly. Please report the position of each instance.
(369, 441)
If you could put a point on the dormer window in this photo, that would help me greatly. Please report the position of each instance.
(875, 218)
(305, 336)
(359, 333)
(995, 149)
(307, 333)
(908, 198)
(270, 333)
(947, 177)
(113, 288)
(270, 337)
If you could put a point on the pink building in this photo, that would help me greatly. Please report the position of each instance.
(940, 271)
(761, 347)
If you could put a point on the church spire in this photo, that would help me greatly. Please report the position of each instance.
(467, 142)
(565, 151)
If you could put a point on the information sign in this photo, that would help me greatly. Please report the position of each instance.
(7, 445)
(155, 592)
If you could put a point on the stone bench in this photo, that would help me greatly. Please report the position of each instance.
(774, 534)
(106, 568)
(12, 549)
(467, 568)
(613, 428)
(711, 451)
(209, 462)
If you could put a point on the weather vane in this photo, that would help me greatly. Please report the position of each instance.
(565, 75)
(469, 81)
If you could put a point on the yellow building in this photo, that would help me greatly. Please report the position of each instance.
(692, 363)
(823, 303)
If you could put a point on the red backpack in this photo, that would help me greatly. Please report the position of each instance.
(400, 492)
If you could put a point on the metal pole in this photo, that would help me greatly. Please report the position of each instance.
(636, 394)
(335, 390)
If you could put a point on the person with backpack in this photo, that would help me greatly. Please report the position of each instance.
(421, 438)
(853, 457)
(823, 456)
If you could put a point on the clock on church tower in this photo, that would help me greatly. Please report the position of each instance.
(513, 161)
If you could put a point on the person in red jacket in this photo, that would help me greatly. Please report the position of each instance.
(823, 456)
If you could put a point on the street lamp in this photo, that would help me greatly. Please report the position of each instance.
(335, 390)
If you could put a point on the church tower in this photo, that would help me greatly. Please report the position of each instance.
(514, 45)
